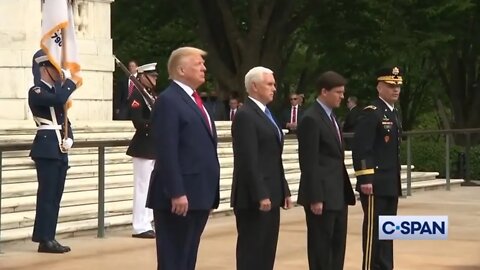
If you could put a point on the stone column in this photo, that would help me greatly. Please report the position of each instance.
(20, 30)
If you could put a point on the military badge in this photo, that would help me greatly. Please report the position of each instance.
(387, 139)
(395, 71)
(37, 90)
(135, 104)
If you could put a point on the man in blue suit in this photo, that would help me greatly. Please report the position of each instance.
(184, 185)
(49, 150)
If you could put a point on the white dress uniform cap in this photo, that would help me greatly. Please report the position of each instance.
(148, 68)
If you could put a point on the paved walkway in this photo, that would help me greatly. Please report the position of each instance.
(217, 251)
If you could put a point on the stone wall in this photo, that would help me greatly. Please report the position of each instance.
(20, 30)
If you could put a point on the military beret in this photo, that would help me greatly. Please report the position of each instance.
(390, 75)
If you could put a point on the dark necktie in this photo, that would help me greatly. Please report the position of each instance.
(198, 101)
(335, 126)
(232, 115)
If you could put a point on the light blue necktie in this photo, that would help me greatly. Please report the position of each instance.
(269, 115)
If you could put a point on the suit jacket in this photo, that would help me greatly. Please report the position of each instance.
(351, 119)
(324, 176)
(142, 143)
(216, 110)
(121, 99)
(376, 149)
(258, 169)
(185, 151)
(287, 114)
(41, 98)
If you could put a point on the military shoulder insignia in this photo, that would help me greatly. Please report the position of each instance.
(37, 90)
(371, 107)
(135, 104)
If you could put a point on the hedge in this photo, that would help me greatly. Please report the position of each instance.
(429, 155)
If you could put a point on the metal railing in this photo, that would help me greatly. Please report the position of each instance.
(448, 137)
(101, 145)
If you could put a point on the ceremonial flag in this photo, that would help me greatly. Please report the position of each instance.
(58, 36)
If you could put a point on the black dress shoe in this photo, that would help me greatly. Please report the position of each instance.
(65, 248)
(148, 234)
(50, 247)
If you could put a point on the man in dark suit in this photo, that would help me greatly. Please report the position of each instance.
(184, 186)
(215, 107)
(233, 107)
(50, 148)
(124, 89)
(259, 187)
(351, 119)
(376, 159)
(142, 150)
(292, 115)
(325, 188)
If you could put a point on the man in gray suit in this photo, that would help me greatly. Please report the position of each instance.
(325, 189)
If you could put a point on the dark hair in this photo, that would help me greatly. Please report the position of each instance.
(330, 80)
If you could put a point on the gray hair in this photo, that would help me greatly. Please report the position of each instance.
(255, 75)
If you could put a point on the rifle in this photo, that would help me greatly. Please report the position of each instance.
(149, 99)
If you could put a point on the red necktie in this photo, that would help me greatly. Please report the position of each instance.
(130, 87)
(294, 114)
(198, 101)
(232, 114)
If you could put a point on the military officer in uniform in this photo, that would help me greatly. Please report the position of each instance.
(49, 149)
(376, 159)
(142, 150)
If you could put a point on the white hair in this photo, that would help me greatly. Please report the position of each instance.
(255, 75)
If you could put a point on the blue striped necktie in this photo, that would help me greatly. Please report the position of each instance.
(269, 115)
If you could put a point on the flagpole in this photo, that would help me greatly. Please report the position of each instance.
(65, 109)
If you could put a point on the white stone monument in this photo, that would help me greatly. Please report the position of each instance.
(20, 30)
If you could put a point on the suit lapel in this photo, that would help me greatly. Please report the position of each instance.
(328, 122)
(189, 101)
(265, 118)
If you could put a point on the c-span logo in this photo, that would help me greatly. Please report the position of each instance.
(413, 227)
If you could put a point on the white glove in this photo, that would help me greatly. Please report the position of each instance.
(67, 143)
(66, 74)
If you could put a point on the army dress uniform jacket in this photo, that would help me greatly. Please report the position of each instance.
(376, 149)
(142, 143)
(46, 103)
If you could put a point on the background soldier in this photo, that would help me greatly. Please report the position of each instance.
(376, 159)
(142, 150)
(49, 149)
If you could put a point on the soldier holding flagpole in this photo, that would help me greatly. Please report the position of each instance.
(56, 70)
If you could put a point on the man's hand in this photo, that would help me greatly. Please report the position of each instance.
(317, 208)
(180, 205)
(366, 189)
(287, 203)
(265, 205)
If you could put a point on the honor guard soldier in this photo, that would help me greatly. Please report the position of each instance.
(50, 148)
(142, 150)
(376, 159)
